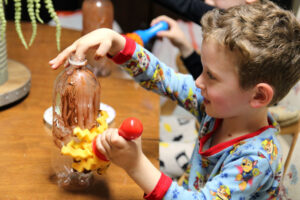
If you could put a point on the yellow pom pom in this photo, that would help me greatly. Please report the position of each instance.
(81, 149)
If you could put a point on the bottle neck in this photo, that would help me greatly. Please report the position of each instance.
(77, 62)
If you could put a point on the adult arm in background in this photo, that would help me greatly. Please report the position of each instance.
(191, 9)
(190, 58)
(193, 64)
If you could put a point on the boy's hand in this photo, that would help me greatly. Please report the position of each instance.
(175, 35)
(128, 155)
(124, 153)
(103, 40)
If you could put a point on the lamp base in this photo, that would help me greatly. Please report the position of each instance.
(17, 85)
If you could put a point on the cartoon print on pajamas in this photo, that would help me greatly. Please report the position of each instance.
(273, 192)
(278, 172)
(172, 95)
(235, 146)
(144, 60)
(137, 67)
(223, 193)
(133, 69)
(248, 171)
(261, 155)
(191, 103)
(186, 176)
(200, 181)
(204, 162)
(204, 130)
(271, 148)
(158, 76)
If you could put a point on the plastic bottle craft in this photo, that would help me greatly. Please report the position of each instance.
(76, 124)
(76, 102)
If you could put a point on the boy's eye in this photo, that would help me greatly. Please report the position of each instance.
(210, 75)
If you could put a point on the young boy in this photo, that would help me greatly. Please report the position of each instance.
(251, 58)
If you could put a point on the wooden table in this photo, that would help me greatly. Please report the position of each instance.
(25, 141)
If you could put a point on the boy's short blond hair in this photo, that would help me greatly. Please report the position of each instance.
(267, 39)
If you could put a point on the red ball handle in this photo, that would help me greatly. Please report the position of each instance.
(130, 129)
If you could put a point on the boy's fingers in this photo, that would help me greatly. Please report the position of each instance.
(117, 140)
(107, 135)
(100, 147)
(81, 51)
(105, 144)
(56, 62)
(102, 50)
(66, 64)
(62, 57)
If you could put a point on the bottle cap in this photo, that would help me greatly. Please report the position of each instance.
(74, 60)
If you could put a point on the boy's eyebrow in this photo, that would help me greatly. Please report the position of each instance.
(210, 71)
(204, 65)
(215, 75)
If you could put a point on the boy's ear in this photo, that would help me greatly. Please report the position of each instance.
(263, 95)
(250, 1)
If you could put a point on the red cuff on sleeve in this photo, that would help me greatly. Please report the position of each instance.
(126, 53)
(160, 189)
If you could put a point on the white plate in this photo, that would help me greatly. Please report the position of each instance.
(111, 113)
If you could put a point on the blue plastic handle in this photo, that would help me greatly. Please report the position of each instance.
(151, 32)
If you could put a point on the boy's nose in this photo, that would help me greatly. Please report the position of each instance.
(199, 82)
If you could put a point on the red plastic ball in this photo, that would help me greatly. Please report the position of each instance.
(131, 128)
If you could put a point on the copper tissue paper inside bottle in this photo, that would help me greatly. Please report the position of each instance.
(97, 14)
(76, 102)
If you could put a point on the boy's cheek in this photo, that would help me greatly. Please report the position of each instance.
(219, 103)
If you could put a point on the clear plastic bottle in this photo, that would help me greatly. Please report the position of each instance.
(76, 102)
(97, 14)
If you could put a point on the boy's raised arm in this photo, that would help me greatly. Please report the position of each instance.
(106, 41)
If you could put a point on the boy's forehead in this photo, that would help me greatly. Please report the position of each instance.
(212, 45)
(212, 51)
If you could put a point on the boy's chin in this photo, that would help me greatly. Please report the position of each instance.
(213, 114)
(209, 113)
